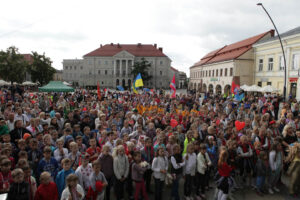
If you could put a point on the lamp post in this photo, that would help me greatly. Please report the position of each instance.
(284, 60)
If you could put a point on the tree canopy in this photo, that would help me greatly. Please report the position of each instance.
(13, 66)
(141, 67)
(41, 69)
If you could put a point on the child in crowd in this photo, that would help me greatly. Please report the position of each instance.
(73, 190)
(177, 164)
(96, 176)
(148, 155)
(261, 172)
(203, 163)
(48, 163)
(74, 155)
(19, 189)
(34, 155)
(159, 168)
(60, 153)
(61, 176)
(276, 164)
(189, 170)
(93, 150)
(106, 162)
(81, 146)
(30, 180)
(84, 171)
(121, 170)
(5, 175)
(138, 170)
(45, 186)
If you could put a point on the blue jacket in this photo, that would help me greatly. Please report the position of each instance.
(60, 180)
(51, 167)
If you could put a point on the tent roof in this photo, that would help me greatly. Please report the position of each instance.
(56, 86)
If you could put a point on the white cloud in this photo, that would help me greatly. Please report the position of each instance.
(187, 30)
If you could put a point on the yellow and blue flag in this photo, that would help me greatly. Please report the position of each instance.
(138, 81)
(133, 89)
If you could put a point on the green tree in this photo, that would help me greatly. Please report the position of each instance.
(40, 69)
(141, 67)
(13, 66)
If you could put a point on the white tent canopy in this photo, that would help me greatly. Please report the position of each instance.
(66, 83)
(2, 82)
(269, 88)
(244, 87)
(253, 88)
(28, 83)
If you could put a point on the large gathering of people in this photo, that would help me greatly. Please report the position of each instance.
(122, 145)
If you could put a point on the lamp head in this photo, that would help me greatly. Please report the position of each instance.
(259, 4)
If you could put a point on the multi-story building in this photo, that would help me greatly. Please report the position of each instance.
(216, 70)
(182, 80)
(269, 62)
(111, 65)
(57, 76)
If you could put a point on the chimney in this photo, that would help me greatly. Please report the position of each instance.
(139, 44)
(111, 44)
(160, 49)
(155, 45)
(119, 46)
(100, 45)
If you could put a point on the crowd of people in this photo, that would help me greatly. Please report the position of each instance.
(122, 145)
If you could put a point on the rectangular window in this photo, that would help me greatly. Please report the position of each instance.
(213, 73)
(295, 64)
(217, 73)
(161, 62)
(206, 73)
(231, 71)
(160, 72)
(66, 67)
(99, 71)
(221, 72)
(209, 73)
(270, 64)
(269, 83)
(81, 67)
(75, 67)
(99, 62)
(70, 67)
(90, 62)
(281, 63)
(226, 72)
(260, 65)
(259, 84)
(106, 62)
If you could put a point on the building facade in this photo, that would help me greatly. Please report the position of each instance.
(269, 62)
(57, 76)
(216, 70)
(111, 65)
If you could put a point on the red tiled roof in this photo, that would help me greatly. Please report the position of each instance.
(141, 50)
(232, 51)
(28, 58)
(172, 68)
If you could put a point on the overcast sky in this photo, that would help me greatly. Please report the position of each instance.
(186, 29)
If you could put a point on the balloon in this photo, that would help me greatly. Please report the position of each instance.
(173, 123)
(239, 125)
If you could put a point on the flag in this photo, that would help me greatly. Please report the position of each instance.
(234, 88)
(98, 90)
(173, 87)
(239, 97)
(133, 89)
(138, 81)
(120, 88)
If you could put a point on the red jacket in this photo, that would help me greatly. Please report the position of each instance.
(225, 170)
(46, 192)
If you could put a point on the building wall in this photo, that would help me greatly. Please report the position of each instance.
(107, 70)
(275, 77)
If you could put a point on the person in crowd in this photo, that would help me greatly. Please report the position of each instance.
(73, 190)
(46, 185)
(19, 189)
(61, 175)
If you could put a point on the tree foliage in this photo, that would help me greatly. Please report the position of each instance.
(13, 66)
(41, 69)
(141, 67)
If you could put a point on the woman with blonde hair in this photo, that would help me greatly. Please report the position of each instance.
(294, 168)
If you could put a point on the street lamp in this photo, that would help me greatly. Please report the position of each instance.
(284, 60)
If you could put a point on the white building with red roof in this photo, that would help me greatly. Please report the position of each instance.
(111, 65)
(216, 70)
